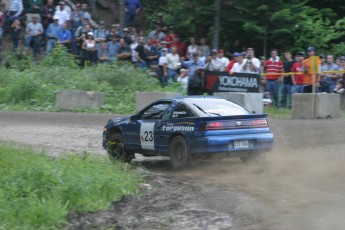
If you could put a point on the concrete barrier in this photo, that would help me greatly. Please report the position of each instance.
(143, 99)
(253, 102)
(326, 106)
(68, 100)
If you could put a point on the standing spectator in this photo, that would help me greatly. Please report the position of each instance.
(194, 81)
(76, 17)
(61, 13)
(273, 67)
(124, 53)
(89, 50)
(140, 53)
(48, 13)
(225, 61)
(232, 62)
(81, 35)
(262, 85)
(33, 8)
(15, 9)
(101, 33)
(133, 47)
(214, 62)
(152, 54)
(103, 53)
(113, 32)
(181, 46)
(298, 79)
(309, 71)
(205, 48)
(132, 7)
(15, 34)
(192, 49)
(170, 39)
(162, 65)
(132, 30)
(338, 63)
(287, 81)
(65, 37)
(162, 45)
(251, 63)
(52, 34)
(234, 48)
(113, 48)
(238, 66)
(156, 34)
(85, 13)
(173, 64)
(160, 22)
(34, 30)
(193, 65)
(201, 55)
(329, 80)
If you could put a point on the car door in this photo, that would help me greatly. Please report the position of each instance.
(141, 133)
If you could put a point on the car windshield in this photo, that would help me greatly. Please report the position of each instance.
(206, 107)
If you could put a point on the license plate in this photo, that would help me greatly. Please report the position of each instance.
(241, 144)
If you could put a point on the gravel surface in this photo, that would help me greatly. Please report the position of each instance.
(299, 185)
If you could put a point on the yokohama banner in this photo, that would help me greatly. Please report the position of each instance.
(224, 82)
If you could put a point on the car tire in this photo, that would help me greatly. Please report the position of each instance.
(179, 153)
(116, 147)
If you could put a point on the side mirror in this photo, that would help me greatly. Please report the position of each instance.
(134, 117)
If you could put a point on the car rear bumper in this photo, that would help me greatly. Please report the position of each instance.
(226, 144)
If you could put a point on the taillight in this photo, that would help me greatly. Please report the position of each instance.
(213, 125)
(260, 123)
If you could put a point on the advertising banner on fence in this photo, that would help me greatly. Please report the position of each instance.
(224, 82)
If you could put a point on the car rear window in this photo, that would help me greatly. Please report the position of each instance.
(206, 107)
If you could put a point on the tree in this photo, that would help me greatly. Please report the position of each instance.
(216, 25)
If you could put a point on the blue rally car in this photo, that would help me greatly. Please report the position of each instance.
(188, 128)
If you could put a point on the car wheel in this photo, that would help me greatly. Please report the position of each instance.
(179, 153)
(116, 149)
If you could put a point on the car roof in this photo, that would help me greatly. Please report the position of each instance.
(186, 98)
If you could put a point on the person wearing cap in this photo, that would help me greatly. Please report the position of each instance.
(309, 72)
(273, 67)
(287, 80)
(126, 36)
(214, 63)
(34, 30)
(251, 63)
(162, 65)
(61, 13)
(329, 80)
(132, 7)
(52, 34)
(298, 76)
(100, 33)
(33, 8)
(89, 50)
(238, 66)
(48, 14)
(225, 61)
(232, 62)
(192, 49)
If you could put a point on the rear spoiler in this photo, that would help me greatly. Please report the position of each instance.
(235, 117)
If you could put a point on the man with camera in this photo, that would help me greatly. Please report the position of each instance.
(251, 63)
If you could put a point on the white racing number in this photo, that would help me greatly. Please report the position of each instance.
(147, 139)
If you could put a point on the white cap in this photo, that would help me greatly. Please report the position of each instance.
(90, 33)
(56, 17)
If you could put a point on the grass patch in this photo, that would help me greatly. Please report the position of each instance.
(37, 191)
(275, 112)
(33, 87)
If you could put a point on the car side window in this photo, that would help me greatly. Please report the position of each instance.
(155, 112)
(182, 112)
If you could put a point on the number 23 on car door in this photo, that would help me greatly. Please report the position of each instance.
(147, 140)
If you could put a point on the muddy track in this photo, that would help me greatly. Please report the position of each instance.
(300, 185)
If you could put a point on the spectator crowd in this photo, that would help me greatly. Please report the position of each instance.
(161, 50)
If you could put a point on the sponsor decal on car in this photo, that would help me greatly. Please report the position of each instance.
(174, 128)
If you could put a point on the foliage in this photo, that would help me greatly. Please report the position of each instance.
(35, 87)
(37, 192)
(59, 57)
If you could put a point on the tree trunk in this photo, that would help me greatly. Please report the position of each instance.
(216, 25)
(121, 13)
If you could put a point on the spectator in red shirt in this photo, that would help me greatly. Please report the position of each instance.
(170, 39)
(181, 47)
(273, 67)
(232, 62)
(298, 79)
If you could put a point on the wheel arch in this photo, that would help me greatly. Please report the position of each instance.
(113, 130)
(177, 134)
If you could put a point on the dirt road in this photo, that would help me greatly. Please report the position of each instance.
(300, 185)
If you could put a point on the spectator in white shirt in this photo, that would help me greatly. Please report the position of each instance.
(251, 63)
(225, 61)
(62, 14)
(238, 66)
